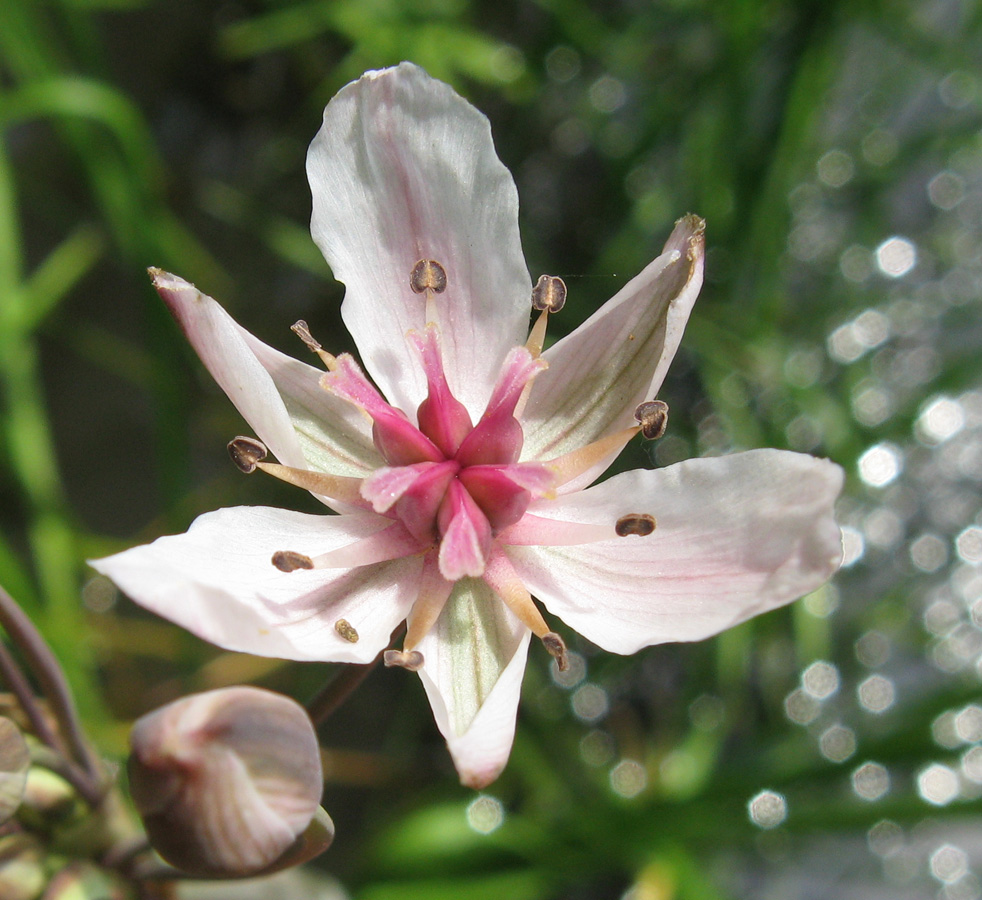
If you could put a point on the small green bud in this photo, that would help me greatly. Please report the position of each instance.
(15, 760)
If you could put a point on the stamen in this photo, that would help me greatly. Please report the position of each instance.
(635, 523)
(290, 561)
(345, 488)
(246, 453)
(653, 416)
(576, 462)
(428, 275)
(344, 628)
(404, 659)
(300, 329)
(434, 590)
(549, 293)
(556, 647)
(537, 340)
(501, 577)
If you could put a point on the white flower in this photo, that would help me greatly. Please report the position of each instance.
(462, 480)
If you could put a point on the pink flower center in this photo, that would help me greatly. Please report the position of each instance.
(451, 483)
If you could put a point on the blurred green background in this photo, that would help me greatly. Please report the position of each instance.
(833, 749)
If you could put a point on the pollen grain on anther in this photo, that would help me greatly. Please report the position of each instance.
(290, 561)
(556, 647)
(302, 331)
(653, 416)
(549, 293)
(635, 523)
(428, 275)
(346, 630)
(403, 659)
(246, 452)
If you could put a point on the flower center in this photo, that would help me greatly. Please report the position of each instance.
(449, 482)
(455, 491)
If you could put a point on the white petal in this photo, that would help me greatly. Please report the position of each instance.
(474, 663)
(218, 582)
(280, 397)
(618, 358)
(404, 169)
(218, 340)
(736, 536)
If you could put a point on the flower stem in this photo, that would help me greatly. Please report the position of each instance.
(331, 697)
(44, 665)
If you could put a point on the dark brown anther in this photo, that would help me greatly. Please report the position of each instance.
(344, 628)
(302, 330)
(289, 561)
(556, 647)
(404, 659)
(635, 523)
(653, 416)
(428, 275)
(246, 452)
(549, 293)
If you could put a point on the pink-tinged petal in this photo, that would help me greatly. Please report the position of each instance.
(386, 485)
(618, 358)
(441, 416)
(220, 344)
(498, 437)
(404, 169)
(219, 583)
(736, 536)
(465, 535)
(399, 441)
(474, 660)
(501, 500)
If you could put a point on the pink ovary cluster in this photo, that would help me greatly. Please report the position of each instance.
(449, 483)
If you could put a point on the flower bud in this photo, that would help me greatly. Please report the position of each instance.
(226, 781)
(22, 874)
(15, 760)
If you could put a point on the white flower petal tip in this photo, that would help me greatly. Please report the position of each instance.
(474, 663)
(618, 358)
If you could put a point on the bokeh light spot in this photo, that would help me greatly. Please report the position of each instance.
(768, 809)
(590, 702)
(870, 781)
(628, 778)
(820, 680)
(938, 784)
(896, 256)
(929, 553)
(968, 545)
(837, 743)
(880, 464)
(485, 814)
(876, 694)
(948, 863)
